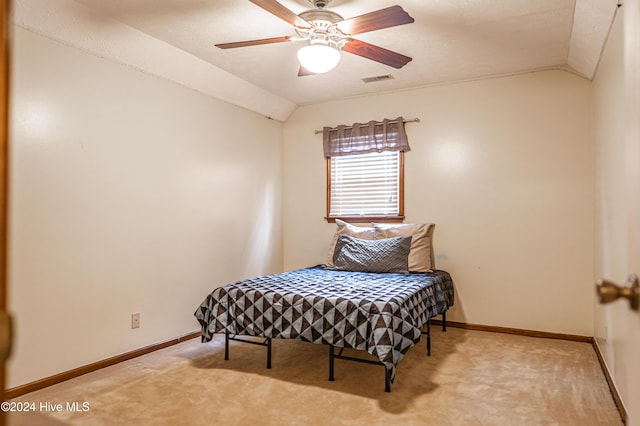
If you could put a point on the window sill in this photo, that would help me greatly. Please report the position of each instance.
(366, 219)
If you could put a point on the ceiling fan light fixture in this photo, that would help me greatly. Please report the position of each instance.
(318, 58)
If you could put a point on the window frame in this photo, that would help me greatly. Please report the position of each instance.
(398, 218)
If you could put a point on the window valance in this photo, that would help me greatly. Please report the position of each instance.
(374, 136)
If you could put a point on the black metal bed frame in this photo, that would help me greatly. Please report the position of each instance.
(332, 355)
(267, 343)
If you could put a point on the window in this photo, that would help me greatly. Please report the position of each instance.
(365, 171)
(366, 187)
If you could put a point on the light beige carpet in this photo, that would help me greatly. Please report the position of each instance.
(472, 378)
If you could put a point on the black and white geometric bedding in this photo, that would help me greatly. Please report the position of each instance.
(380, 313)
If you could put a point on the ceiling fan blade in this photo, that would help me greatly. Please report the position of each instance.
(253, 42)
(377, 20)
(302, 72)
(376, 53)
(275, 8)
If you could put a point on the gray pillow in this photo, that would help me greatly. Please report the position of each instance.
(386, 255)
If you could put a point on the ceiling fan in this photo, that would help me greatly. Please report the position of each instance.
(328, 33)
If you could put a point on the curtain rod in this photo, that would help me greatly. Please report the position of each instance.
(413, 120)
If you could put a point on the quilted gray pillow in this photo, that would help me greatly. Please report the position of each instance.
(386, 255)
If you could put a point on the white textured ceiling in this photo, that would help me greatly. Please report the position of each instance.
(450, 40)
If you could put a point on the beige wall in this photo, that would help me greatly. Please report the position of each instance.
(128, 194)
(503, 166)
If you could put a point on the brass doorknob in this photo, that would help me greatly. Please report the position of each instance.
(608, 291)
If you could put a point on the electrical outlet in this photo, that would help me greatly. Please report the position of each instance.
(135, 320)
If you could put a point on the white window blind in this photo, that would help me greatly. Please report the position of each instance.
(366, 184)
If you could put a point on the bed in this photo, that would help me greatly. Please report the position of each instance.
(381, 313)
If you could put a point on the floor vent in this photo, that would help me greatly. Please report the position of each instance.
(377, 78)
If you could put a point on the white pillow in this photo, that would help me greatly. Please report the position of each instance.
(344, 228)
(421, 257)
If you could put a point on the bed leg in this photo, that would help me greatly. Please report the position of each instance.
(331, 355)
(226, 345)
(429, 337)
(387, 380)
(269, 352)
(444, 321)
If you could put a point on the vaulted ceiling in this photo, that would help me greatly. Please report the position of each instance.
(450, 40)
